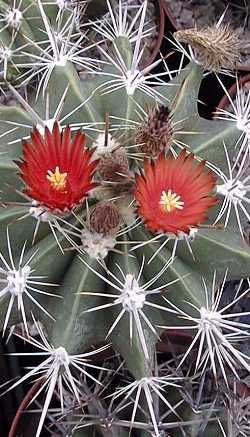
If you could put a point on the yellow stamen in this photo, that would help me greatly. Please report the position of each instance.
(57, 179)
(170, 201)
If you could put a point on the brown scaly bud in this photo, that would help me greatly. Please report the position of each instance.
(114, 166)
(216, 47)
(155, 133)
(104, 218)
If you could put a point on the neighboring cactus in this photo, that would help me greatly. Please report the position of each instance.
(130, 227)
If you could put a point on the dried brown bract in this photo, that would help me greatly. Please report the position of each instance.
(216, 47)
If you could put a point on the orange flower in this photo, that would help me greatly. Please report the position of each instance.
(174, 195)
(57, 171)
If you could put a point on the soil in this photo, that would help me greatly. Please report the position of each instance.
(188, 13)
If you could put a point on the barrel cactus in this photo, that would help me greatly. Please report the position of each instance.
(123, 215)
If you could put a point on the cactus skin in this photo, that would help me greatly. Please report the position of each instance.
(75, 328)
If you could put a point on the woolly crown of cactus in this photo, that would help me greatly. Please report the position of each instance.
(122, 217)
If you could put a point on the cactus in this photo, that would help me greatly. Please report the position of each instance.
(122, 216)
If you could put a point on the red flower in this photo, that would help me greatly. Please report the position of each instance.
(57, 171)
(174, 194)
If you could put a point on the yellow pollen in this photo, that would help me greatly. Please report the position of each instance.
(170, 201)
(57, 179)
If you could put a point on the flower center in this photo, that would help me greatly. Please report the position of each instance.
(170, 201)
(57, 179)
